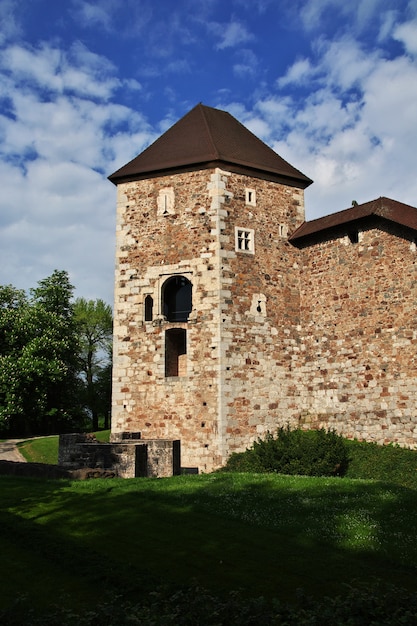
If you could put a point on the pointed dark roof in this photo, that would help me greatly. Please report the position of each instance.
(381, 208)
(205, 137)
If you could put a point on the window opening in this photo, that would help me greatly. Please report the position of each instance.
(148, 309)
(250, 197)
(175, 352)
(166, 201)
(177, 299)
(354, 236)
(244, 240)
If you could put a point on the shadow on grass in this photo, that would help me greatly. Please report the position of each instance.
(265, 535)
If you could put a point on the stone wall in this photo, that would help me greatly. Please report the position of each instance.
(357, 357)
(260, 313)
(151, 247)
(233, 378)
(319, 336)
(126, 456)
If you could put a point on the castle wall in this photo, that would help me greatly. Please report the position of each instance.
(324, 335)
(357, 365)
(158, 238)
(261, 312)
(233, 380)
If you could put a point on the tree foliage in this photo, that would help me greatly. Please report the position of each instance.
(43, 346)
(95, 327)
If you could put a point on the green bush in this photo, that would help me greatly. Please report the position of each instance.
(308, 453)
(389, 463)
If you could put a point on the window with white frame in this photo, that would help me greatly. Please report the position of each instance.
(245, 240)
(166, 201)
(250, 197)
(282, 230)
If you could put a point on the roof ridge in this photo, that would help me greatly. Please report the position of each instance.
(206, 124)
(382, 207)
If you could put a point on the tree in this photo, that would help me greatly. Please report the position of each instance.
(39, 384)
(94, 322)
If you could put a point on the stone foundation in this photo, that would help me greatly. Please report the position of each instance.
(127, 455)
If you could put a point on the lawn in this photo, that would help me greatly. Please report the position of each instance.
(268, 535)
(80, 544)
(45, 449)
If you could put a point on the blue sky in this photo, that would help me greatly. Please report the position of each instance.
(86, 86)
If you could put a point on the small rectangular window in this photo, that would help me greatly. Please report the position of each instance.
(354, 236)
(283, 230)
(175, 352)
(244, 240)
(250, 197)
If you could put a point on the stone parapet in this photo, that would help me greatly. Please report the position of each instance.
(127, 455)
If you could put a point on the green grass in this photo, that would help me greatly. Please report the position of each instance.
(265, 534)
(42, 450)
(79, 543)
(45, 449)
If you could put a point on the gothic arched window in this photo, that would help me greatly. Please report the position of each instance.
(177, 299)
(148, 309)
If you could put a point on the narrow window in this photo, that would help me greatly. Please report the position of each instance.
(177, 299)
(166, 201)
(244, 240)
(250, 197)
(354, 236)
(175, 352)
(148, 309)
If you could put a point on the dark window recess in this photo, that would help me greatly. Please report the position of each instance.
(148, 309)
(177, 299)
(176, 352)
(354, 236)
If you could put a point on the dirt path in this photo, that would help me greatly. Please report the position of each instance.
(10, 452)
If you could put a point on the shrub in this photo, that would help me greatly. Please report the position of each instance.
(389, 463)
(308, 453)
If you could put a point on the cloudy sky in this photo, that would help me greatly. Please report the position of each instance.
(85, 86)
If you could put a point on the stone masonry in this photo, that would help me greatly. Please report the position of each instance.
(316, 331)
(127, 455)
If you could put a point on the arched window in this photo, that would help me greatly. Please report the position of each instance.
(177, 299)
(148, 309)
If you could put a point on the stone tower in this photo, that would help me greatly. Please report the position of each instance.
(207, 293)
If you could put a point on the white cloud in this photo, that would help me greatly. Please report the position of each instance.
(10, 27)
(229, 35)
(94, 14)
(297, 73)
(248, 64)
(407, 34)
(50, 68)
(358, 13)
(354, 131)
(61, 137)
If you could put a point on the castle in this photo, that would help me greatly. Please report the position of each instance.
(233, 315)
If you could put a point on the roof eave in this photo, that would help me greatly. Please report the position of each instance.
(297, 180)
